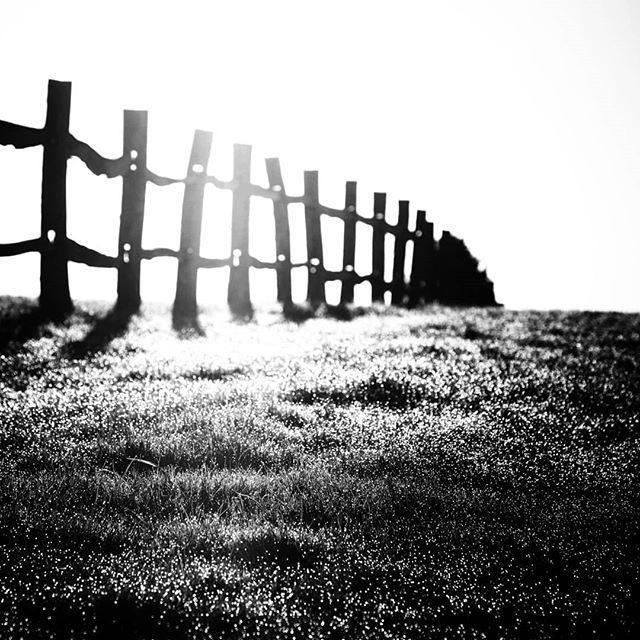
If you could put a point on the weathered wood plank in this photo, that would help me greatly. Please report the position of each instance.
(283, 235)
(18, 248)
(185, 306)
(239, 294)
(132, 214)
(213, 263)
(315, 285)
(160, 252)
(55, 298)
(349, 247)
(79, 253)
(20, 137)
(377, 266)
(398, 286)
(96, 163)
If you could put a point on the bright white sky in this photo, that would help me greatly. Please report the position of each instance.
(515, 124)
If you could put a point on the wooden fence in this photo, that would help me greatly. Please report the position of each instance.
(442, 270)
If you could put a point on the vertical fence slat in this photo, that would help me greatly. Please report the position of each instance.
(185, 307)
(377, 267)
(446, 269)
(239, 295)
(134, 187)
(417, 282)
(283, 236)
(429, 264)
(399, 251)
(55, 298)
(315, 286)
(349, 249)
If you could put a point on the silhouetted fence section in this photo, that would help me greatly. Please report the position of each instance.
(440, 270)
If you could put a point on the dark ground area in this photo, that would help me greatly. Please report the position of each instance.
(407, 474)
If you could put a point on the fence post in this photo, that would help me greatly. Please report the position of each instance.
(238, 295)
(377, 267)
(349, 249)
(185, 306)
(447, 266)
(315, 285)
(283, 237)
(55, 299)
(429, 264)
(134, 185)
(399, 252)
(418, 283)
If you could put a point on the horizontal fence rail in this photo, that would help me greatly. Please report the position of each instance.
(441, 270)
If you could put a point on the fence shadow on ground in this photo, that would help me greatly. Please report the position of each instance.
(105, 329)
(20, 321)
(299, 313)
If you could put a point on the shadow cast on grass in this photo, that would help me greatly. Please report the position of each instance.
(20, 321)
(300, 313)
(105, 329)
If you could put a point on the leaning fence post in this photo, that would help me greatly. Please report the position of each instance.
(315, 286)
(185, 306)
(399, 252)
(238, 294)
(134, 185)
(349, 248)
(283, 237)
(377, 267)
(55, 298)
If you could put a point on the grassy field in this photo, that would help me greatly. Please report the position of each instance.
(406, 474)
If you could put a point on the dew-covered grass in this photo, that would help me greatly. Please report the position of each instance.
(405, 474)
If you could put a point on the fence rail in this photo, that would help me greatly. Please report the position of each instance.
(441, 270)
